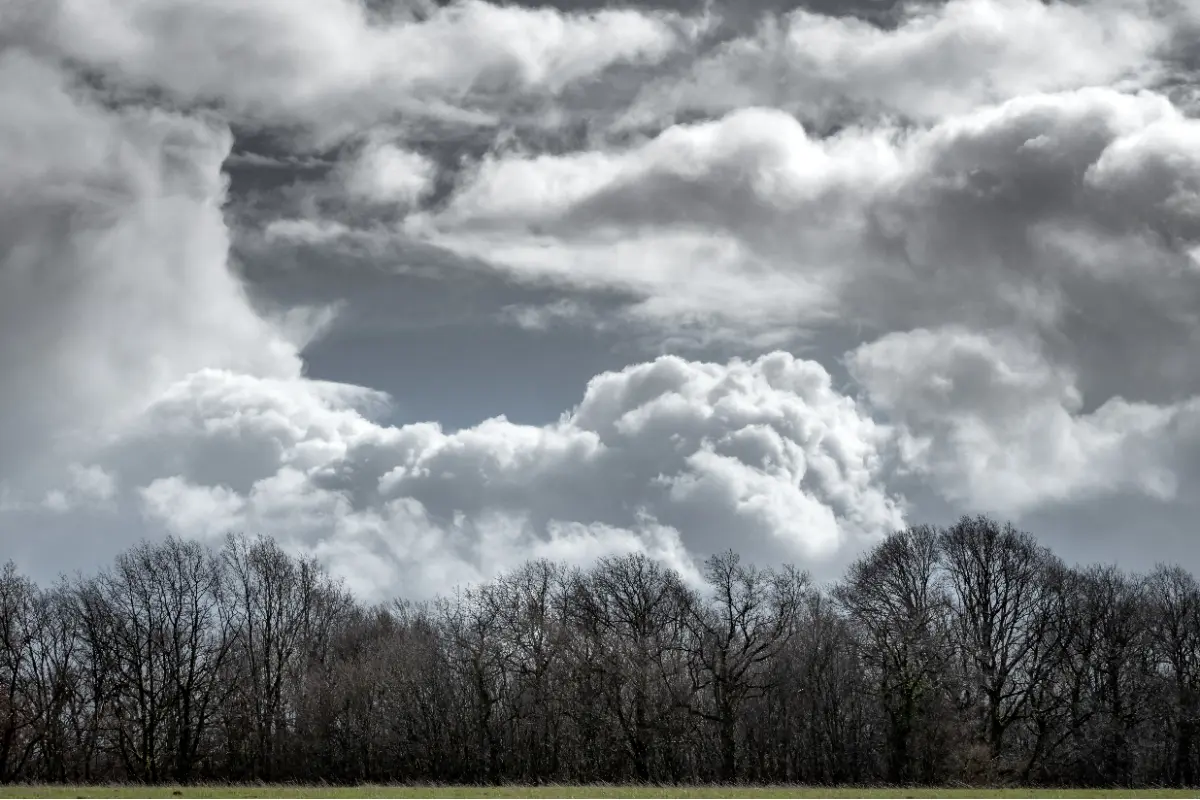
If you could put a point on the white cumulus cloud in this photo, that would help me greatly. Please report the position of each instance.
(1000, 428)
(673, 457)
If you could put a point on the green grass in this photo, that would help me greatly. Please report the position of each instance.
(553, 791)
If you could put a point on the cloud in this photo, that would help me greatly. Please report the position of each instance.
(385, 173)
(1069, 221)
(1059, 215)
(305, 231)
(1052, 212)
(940, 60)
(695, 222)
(88, 488)
(91, 486)
(284, 162)
(995, 206)
(545, 316)
(670, 457)
(330, 68)
(113, 274)
(1000, 428)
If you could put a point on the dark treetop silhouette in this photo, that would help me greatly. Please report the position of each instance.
(962, 654)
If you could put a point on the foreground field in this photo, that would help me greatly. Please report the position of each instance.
(555, 791)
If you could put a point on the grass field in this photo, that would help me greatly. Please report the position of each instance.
(554, 791)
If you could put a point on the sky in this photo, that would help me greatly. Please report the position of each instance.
(428, 289)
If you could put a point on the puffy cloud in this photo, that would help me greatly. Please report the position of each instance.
(753, 163)
(671, 457)
(329, 67)
(1071, 220)
(745, 217)
(1055, 212)
(113, 275)
(999, 427)
(385, 173)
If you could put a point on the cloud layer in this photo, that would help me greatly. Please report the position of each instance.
(331, 69)
(939, 60)
(980, 220)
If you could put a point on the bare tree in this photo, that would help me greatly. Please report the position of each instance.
(472, 624)
(280, 602)
(54, 684)
(1002, 618)
(160, 622)
(1053, 688)
(895, 599)
(811, 724)
(533, 602)
(1173, 597)
(629, 609)
(1111, 658)
(746, 617)
(19, 639)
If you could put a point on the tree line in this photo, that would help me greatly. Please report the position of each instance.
(961, 654)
